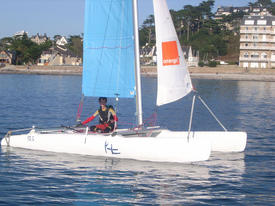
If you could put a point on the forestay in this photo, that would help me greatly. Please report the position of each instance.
(173, 77)
(108, 65)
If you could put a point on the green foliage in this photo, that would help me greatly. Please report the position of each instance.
(233, 63)
(271, 9)
(26, 51)
(143, 37)
(75, 45)
(147, 31)
(201, 64)
(196, 27)
(265, 3)
(209, 44)
(5, 42)
(212, 64)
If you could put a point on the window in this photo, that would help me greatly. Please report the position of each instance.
(249, 22)
(264, 55)
(254, 44)
(245, 55)
(246, 36)
(261, 22)
(255, 55)
(255, 28)
(254, 65)
(255, 37)
(246, 44)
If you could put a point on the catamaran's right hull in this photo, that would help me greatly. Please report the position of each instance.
(224, 141)
(220, 141)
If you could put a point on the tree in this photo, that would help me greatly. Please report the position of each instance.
(75, 45)
(147, 31)
(261, 3)
(25, 50)
(5, 43)
(149, 23)
(196, 26)
(266, 4)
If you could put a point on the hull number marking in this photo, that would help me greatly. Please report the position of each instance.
(30, 138)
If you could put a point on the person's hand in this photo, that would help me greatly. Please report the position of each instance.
(79, 124)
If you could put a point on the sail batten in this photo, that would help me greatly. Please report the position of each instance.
(108, 60)
(174, 81)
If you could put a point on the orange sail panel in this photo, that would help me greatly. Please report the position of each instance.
(170, 54)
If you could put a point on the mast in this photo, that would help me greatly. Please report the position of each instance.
(137, 65)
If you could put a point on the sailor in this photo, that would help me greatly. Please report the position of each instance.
(107, 117)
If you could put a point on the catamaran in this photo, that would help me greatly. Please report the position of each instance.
(112, 69)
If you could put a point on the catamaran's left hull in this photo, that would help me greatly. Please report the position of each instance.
(159, 149)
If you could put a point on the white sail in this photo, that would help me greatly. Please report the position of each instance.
(174, 81)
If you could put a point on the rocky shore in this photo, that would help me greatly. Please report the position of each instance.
(227, 72)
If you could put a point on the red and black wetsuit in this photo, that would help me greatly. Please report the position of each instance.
(107, 118)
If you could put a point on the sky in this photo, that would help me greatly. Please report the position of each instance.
(65, 17)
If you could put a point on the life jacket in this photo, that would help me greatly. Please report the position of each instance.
(105, 116)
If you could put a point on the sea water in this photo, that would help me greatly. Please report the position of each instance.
(29, 177)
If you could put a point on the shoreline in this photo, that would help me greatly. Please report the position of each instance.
(227, 72)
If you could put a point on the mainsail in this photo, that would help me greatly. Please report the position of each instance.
(108, 66)
(173, 77)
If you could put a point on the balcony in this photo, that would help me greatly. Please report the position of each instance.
(260, 59)
(256, 32)
(268, 48)
(257, 40)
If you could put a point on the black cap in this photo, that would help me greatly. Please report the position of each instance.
(102, 98)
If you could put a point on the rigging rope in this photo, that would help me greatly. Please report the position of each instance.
(80, 107)
(212, 113)
(191, 116)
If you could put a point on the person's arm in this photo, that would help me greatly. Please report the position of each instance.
(90, 118)
(114, 114)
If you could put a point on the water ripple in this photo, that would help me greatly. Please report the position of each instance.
(42, 178)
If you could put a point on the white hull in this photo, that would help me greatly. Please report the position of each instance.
(167, 146)
(162, 148)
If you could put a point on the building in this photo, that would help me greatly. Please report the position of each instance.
(20, 33)
(148, 55)
(257, 42)
(58, 56)
(5, 57)
(61, 41)
(252, 11)
(192, 60)
(39, 39)
(45, 58)
(259, 11)
(228, 10)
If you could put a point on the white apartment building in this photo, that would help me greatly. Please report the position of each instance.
(257, 42)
